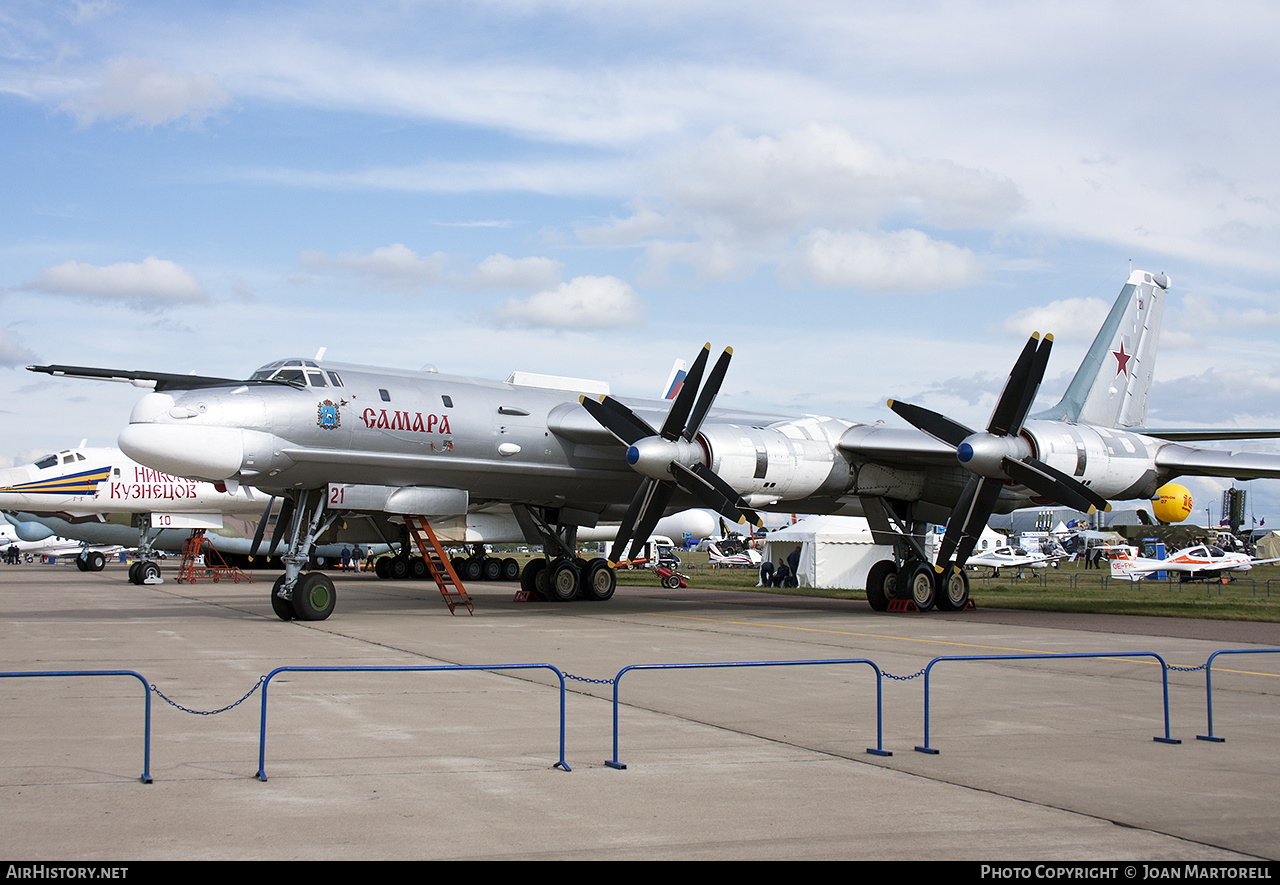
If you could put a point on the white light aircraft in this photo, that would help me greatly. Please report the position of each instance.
(1198, 561)
(749, 558)
(1011, 557)
(339, 440)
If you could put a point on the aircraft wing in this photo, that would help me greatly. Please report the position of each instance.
(156, 380)
(1186, 461)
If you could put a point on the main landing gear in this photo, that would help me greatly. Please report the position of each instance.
(562, 575)
(919, 582)
(565, 578)
(909, 575)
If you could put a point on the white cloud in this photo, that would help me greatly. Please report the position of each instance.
(13, 352)
(150, 280)
(146, 93)
(902, 261)
(585, 302)
(502, 272)
(398, 266)
(1068, 319)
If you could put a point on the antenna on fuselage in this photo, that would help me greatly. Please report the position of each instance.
(320, 354)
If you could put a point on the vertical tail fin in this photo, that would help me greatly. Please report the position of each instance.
(1111, 387)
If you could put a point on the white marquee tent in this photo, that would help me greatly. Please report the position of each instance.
(835, 551)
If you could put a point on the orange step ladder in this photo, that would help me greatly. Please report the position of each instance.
(438, 565)
(214, 568)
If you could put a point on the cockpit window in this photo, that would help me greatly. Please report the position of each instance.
(47, 461)
(303, 373)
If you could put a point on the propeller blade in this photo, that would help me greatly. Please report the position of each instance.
(1050, 482)
(938, 426)
(1014, 389)
(283, 518)
(983, 503)
(673, 426)
(1038, 366)
(628, 524)
(654, 507)
(967, 520)
(707, 396)
(616, 418)
(261, 529)
(712, 491)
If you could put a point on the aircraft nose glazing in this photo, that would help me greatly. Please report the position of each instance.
(211, 453)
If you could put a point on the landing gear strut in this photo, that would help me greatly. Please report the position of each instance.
(309, 597)
(562, 576)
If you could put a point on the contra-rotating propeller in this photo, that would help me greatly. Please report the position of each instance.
(669, 458)
(999, 454)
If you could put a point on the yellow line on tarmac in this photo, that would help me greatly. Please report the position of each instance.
(997, 648)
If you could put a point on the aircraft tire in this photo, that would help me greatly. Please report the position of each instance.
(133, 573)
(529, 575)
(81, 565)
(600, 581)
(418, 568)
(282, 607)
(473, 568)
(399, 568)
(563, 581)
(510, 569)
(671, 582)
(492, 569)
(878, 579)
(96, 562)
(953, 590)
(382, 568)
(148, 571)
(923, 586)
(314, 597)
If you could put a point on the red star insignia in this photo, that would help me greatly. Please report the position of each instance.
(1122, 359)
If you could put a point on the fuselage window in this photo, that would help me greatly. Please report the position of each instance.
(316, 379)
(386, 397)
(47, 461)
(448, 401)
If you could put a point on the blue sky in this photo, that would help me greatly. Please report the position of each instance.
(864, 200)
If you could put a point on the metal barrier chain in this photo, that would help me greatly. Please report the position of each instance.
(1188, 669)
(232, 706)
(914, 675)
(585, 679)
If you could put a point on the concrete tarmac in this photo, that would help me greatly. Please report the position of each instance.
(1039, 760)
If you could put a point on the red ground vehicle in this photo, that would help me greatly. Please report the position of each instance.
(670, 579)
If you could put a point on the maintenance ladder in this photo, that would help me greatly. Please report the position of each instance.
(438, 565)
(214, 568)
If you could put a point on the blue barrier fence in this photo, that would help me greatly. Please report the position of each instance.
(262, 735)
(878, 750)
(146, 692)
(1164, 672)
(1208, 682)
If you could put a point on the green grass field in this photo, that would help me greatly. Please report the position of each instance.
(1070, 588)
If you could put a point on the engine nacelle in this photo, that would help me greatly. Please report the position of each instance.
(786, 460)
(1114, 463)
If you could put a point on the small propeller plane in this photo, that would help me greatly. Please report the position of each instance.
(1197, 561)
(336, 440)
(1011, 557)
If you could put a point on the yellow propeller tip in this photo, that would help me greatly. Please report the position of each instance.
(939, 569)
(729, 350)
(889, 403)
(1048, 336)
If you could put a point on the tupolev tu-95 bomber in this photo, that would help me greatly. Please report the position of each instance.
(338, 441)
